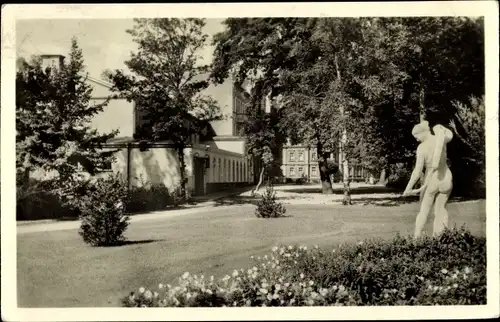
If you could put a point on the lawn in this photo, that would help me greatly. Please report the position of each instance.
(56, 269)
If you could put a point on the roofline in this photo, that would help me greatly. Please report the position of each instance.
(100, 82)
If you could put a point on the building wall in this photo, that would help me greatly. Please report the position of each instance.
(117, 115)
(222, 94)
(160, 165)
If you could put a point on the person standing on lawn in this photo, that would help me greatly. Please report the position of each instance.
(438, 179)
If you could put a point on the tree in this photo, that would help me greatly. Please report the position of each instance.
(364, 82)
(264, 138)
(262, 50)
(168, 82)
(53, 113)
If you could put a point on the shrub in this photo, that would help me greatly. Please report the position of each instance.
(399, 175)
(35, 200)
(103, 212)
(268, 206)
(151, 197)
(446, 270)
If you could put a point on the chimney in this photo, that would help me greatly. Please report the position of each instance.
(52, 61)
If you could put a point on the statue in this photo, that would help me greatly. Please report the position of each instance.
(437, 180)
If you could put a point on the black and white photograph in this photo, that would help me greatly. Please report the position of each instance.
(288, 160)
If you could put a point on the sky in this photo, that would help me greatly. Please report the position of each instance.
(104, 42)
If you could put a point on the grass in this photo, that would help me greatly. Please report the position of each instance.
(56, 269)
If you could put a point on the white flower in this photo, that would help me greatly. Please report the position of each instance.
(454, 276)
(148, 294)
(235, 273)
(275, 248)
(323, 292)
(316, 246)
(467, 270)
(255, 268)
(263, 290)
(360, 243)
(333, 251)
(249, 303)
(311, 283)
(185, 275)
(386, 295)
(155, 294)
(160, 286)
(265, 285)
(290, 247)
(444, 271)
(142, 290)
(292, 301)
(277, 287)
(301, 275)
(455, 285)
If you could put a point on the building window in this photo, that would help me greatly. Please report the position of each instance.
(301, 156)
(314, 156)
(314, 171)
(237, 171)
(240, 128)
(292, 171)
(301, 171)
(244, 172)
(292, 156)
(105, 167)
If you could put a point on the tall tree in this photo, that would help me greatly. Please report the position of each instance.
(53, 114)
(364, 82)
(263, 49)
(168, 82)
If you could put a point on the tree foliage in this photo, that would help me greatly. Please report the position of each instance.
(167, 82)
(363, 82)
(53, 114)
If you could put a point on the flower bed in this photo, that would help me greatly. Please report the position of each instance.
(448, 270)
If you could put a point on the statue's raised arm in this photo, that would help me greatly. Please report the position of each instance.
(443, 137)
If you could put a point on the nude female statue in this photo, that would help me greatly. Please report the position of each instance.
(438, 184)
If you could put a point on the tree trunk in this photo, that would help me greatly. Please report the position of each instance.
(182, 165)
(261, 178)
(347, 184)
(345, 171)
(326, 182)
(421, 97)
(382, 178)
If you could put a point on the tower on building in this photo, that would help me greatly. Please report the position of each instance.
(52, 60)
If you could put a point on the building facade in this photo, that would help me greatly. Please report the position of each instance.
(301, 162)
(216, 162)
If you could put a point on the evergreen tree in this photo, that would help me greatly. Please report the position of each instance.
(53, 114)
